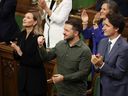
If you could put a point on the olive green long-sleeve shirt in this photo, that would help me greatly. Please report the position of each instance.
(73, 63)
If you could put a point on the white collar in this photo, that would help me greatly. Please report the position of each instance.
(113, 41)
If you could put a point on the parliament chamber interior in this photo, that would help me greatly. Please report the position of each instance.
(9, 66)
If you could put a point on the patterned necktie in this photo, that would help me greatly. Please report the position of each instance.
(108, 49)
(109, 46)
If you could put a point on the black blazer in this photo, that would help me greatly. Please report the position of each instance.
(8, 25)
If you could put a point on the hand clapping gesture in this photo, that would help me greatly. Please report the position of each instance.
(57, 78)
(16, 48)
(40, 41)
(42, 4)
(84, 16)
(97, 60)
(96, 18)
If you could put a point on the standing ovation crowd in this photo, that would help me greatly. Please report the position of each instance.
(61, 34)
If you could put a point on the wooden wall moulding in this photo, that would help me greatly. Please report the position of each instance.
(23, 5)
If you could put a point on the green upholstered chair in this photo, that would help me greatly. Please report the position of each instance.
(96, 86)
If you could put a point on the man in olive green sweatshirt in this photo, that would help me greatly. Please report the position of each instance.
(73, 60)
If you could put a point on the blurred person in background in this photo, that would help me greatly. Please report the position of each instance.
(8, 26)
(95, 32)
(57, 12)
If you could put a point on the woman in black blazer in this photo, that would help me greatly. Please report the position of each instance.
(32, 79)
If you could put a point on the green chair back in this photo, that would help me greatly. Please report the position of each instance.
(78, 4)
(19, 20)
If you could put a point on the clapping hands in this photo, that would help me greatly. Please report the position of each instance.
(40, 41)
(42, 4)
(84, 16)
(97, 60)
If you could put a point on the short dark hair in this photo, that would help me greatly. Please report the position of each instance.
(76, 23)
(117, 20)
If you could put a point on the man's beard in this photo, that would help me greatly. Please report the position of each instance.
(70, 38)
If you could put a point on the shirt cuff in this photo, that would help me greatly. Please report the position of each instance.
(101, 66)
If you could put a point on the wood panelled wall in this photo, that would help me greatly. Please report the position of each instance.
(24, 5)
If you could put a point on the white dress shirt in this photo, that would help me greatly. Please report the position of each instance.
(113, 41)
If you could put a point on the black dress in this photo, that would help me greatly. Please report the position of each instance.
(31, 78)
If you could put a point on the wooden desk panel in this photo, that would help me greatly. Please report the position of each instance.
(8, 72)
(9, 69)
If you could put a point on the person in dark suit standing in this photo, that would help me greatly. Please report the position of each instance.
(8, 26)
(31, 76)
(112, 60)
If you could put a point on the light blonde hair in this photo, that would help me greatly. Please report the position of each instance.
(38, 28)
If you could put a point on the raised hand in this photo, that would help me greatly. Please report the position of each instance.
(84, 16)
(13, 45)
(96, 18)
(16, 48)
(42, 4)
(57, 78)
(40, 41)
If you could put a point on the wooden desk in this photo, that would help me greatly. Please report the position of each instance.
(8, 72)
(9, 69)
(23, 5)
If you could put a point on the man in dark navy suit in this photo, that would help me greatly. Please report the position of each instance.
(112, 58)
(8, 25)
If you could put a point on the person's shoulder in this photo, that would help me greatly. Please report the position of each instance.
(123, 42)
(61, 42)
(85, 47)
(104, 40)
(122, 45)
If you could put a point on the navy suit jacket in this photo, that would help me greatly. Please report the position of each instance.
(8, 25)
(114, 73)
